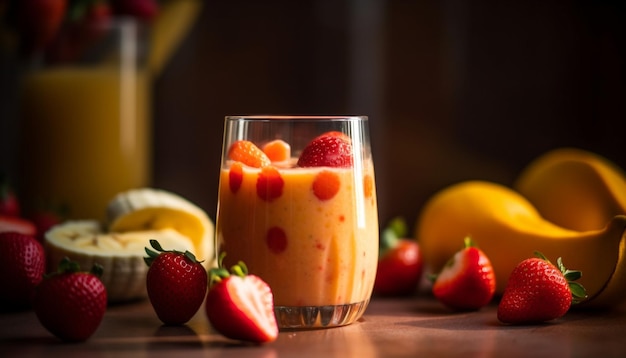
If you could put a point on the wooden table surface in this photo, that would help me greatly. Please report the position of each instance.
(408, 327)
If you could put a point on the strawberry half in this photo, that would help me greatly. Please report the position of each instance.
(467, 281)
(537, 291)
(331, 149)
(17, 224)
(176, 284)
(241, 306)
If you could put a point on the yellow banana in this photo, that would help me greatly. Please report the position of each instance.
(508, 228)
(574, 188)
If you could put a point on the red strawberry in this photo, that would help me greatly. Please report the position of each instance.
(22, 266)
(400, 264)
(17, 224)
(537, 291)
(248, 153)
(241, 306)
(326, 185)
(45, 219)
(9, 204)
(142, 9)
(270, 184)
(70, 303)
(39, 21)
(176, 284)
(331, 149)
(86, 24)
(467, 281)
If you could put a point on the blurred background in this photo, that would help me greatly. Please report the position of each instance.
(454, 89)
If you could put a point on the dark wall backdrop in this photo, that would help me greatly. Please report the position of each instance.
(455, 90)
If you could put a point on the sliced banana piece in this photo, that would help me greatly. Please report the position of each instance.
(155, 209)
(120, 254)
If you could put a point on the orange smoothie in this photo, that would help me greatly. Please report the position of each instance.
(85, 137)
(310, 233)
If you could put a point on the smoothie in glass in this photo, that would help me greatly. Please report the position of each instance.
(309, 231)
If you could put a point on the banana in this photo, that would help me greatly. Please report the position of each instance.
(508, 228)
(120, 254)
(154, 209)
(574, 188)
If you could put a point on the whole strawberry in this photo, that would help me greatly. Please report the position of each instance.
(331, 149)
(22, 266)
(467, 281)
(400, 263)
(71, 303)
(537, 291)
(176, 284)
(241, 306)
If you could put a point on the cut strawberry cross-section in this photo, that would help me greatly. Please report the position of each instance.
(241, 306)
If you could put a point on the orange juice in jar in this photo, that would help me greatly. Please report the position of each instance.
(85, 130)
(307, 225)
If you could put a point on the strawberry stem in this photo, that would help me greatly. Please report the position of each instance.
(219, 273)
(395, 231)
(579, 293)
(68, 266)
(152, 255)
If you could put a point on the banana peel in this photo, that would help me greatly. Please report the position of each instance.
(509, 229)
(171, 25)
(574, 188)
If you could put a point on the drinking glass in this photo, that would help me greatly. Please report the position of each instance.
(306, 224)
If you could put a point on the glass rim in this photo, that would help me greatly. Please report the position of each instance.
(297, 117)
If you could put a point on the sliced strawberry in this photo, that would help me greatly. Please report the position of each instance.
(331, 149)
(270, 184)
(276, 239)
(235, 177)
(277, 150)
(248, 153)
(467, 282)
(241, 306)
(16, 224)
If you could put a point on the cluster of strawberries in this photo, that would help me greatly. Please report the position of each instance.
(69, 303)
(537, 290)
(62, 30)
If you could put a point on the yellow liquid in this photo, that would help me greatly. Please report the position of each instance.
(85, 137)
(331, 249)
